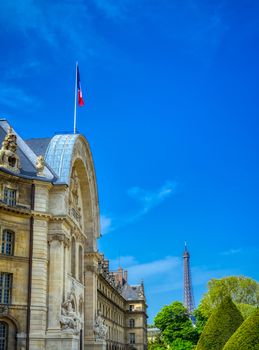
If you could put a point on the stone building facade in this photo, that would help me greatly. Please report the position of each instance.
(56, 290)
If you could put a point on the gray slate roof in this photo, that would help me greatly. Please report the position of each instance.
(27, 167)
(57, 151)
(130, 292)
(39, 145)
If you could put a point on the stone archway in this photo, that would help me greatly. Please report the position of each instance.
(8, 334)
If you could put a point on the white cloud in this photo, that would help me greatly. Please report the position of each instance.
(110, 8)
(231, 251)
(60, 24)
(123, 261)
(147, 270)
(173, 280)
(106, 223)
(151, 199)
(15, 97)
(152, 269)
(147, 199)
(202, 274)
(21, 71)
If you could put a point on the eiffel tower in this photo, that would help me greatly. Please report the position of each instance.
(188, 292)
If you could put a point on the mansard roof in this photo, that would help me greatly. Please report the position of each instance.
(131, 292)
(26, 155)
(57, 152)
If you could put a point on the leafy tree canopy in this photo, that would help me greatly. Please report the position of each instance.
(246, 337)
(201, 320)
(176, 327)
(242, 290)
(223, 322)
(180, 344)
(156, 345)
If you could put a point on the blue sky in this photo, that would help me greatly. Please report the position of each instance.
(171, 91)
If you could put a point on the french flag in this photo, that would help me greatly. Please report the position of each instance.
(79, 89)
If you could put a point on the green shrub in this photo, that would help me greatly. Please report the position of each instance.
(223, 322)
(247, 335)
(246, 310)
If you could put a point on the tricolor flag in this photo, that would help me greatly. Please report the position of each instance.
(79, 89)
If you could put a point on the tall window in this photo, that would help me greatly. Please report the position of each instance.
(5, 287)
(7, 242)
(3, 335)
(132, 323)
(73, 257)
(10, 196)
(80, 263)
(132, 338)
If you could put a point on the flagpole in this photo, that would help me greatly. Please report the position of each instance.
(75, 100)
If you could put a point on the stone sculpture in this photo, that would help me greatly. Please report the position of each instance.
(40, 164)
(8, 157)
(100, 329)
(69, 320)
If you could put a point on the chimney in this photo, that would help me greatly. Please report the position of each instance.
(120, 274)
(106, 265)
(125, 276)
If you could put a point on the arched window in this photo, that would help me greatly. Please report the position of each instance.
(7, 242)
(73, 257)
(80, 263)
(132, 323)
(3, 335)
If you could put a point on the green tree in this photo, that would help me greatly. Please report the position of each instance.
(201, 320)
(246, 337)
(223, 322)
(176, 327)
(242, 290)
(157, 344)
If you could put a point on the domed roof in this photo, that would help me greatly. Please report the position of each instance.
(59, 155)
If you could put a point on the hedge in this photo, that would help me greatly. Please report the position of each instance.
(223, 322)
(247, 335)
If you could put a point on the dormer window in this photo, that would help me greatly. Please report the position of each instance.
(10, 196)
(12, 161)
(131, 307)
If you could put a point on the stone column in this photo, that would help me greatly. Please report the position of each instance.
(56, 273)
(90, 311)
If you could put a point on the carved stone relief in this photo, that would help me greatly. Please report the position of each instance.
(8, 157)
(3, 310)
(73, 201)
(69, 320)
(100, 328)
(59, 237)
(40, 164)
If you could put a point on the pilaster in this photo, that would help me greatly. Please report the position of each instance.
(90, 312)
(57, 241)
(39, 284)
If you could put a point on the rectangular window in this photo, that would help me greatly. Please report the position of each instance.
(132, 338)
(10, 196)
(131, 307)
(5, 287)
(132, 323)
(7, 242)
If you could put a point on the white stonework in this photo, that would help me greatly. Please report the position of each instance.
(59, 293)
